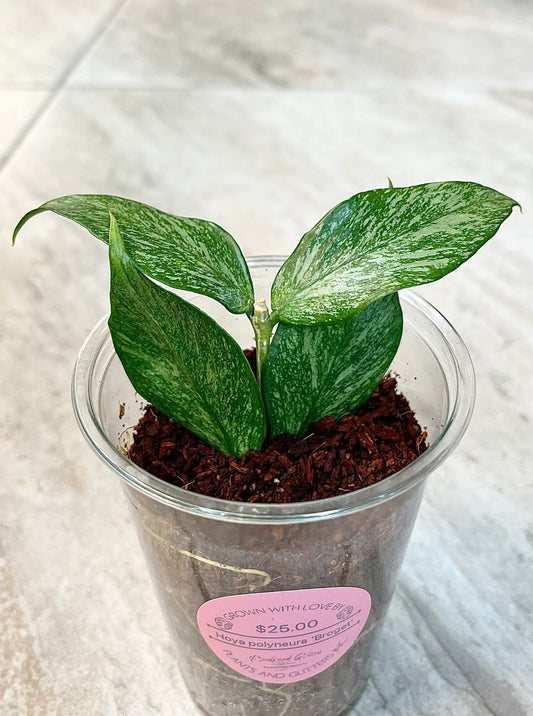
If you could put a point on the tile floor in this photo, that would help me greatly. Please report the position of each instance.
(259, 116)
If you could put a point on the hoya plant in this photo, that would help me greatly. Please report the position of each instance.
(334, 322)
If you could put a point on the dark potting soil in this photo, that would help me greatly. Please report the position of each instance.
(333, 458)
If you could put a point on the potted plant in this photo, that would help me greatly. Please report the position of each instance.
(275, 607)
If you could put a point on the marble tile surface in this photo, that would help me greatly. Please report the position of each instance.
(18, 110)
(348, 44)
(41, 40)
(199, 129)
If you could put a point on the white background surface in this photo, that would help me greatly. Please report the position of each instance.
(259, 116)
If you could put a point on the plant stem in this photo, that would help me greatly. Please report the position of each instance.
(263, 325)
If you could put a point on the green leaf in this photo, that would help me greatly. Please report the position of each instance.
(181, 361)
(315, 371)
(380, 241)
(190, 254)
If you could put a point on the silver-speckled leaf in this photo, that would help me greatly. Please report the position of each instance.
(315, 371)
(381, 241)
(191, 254)
(181, 361)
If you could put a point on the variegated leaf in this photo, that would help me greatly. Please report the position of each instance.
(380, 241)
(314, 371)
(191, 254)
(181, 361)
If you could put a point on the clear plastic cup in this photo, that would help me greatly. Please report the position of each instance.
(260, 652)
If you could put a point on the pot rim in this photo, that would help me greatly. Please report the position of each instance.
(435, 327)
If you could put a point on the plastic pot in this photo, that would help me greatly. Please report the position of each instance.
(277, 609)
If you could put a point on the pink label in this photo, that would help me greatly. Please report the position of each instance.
(283, 637)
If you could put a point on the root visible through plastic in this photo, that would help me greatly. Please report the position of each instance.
(205, 560)
(261, 685)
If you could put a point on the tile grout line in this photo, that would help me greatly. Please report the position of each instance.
(59, 84)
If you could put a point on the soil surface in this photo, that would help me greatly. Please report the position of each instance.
(333, 458)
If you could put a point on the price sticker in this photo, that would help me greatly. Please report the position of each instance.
(283, 637)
